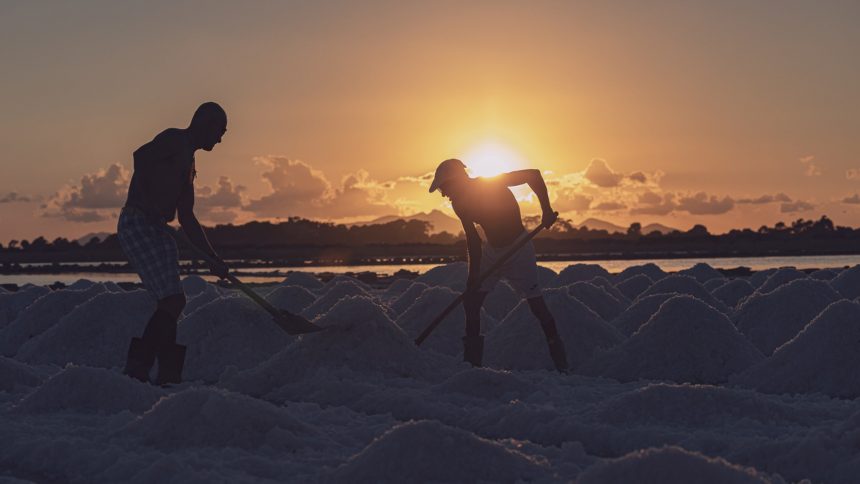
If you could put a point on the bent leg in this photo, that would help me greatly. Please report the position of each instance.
(473, 342)
(553, 339)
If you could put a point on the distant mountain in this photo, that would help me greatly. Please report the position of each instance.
(657, 228)
(439, 221)
(597, 224)
(86, 238)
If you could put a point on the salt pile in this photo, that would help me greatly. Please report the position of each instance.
(714, 283)
(759, 278)
(340, 290)
(341, 279)
(848, 282)
(686, 340)
(193, 285)
(633, 286)
(519, 343)
(302, 279)
(396, 288)
(228, 332)
(41, 315)
(822, 358)
(209, 294)
(579, 273)
(11, 303)
(81, 389)
(824, 274)
(80, 285)
(291, 298)
(597, 299)
(650, 269)
(545, 276)
(428, 451)
(639, 313)
(447, 338)
(486, 383)
(408, 297)
(779, 278)
(15, 376)
(611, 289)
(733, 292)
(202, 417)
(678, 284)
(450, 275)
(96, 333)
(671, 464)
(702, 272)
(500, 301)
(769, 320)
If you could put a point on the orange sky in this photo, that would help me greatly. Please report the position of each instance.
(728, 114)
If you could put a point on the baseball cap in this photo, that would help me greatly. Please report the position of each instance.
(446, 171)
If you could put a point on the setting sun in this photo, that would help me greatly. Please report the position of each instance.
(491, 158)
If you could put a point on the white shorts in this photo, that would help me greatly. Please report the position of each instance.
(520, 270)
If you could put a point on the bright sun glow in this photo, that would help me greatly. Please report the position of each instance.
(491, 158)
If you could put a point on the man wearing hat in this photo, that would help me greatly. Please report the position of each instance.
(489, 202)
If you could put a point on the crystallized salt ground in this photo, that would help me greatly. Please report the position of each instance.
(333, 294)
(824, 274)
(428, 451)
(597, 299)
(11, 303)
(578, 273)
(671, 464)
(96, 333)
(205, 417)
(639, 313)
(733, 292)
(519, 343)
(447, 337)
(41, 315)
(501, 300)
(408, 297)
(609, 287)
(302, 279)
(291, 298)
(80, 389)
(714, 283)
(396, 288)
(16, 376)
(679, 284)
(545, 276)
(848, 282)
(451, 275)
(702, 272)
(80, 285)
(486, 383)
(822, 358)
(686, 340)
(340, 279)
(759, 277)
(769, 320)
(633, 286)
(209, 294)
(779, 278)
(228, 332)
(193, 285)
(650, 269)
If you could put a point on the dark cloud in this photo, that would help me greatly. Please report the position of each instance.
(609, 206)
(764, 199)
(796, 206)
(95, 199)
(704, 204)
(599, 173)
(853, 199)
(638, 177)
(651, 203)
(15, 197)
(568, 200)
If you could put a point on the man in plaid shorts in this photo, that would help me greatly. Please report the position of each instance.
(161, 187)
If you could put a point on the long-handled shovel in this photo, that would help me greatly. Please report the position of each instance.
(504, 258)
(289, 322)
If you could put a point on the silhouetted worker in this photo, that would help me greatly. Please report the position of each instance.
(161, 187)
(489, 203)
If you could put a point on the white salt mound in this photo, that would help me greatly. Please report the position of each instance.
(343, 279)
(193, 285)
(447, 337)
(822, 358)
(769, 320)
(408, 297)
(545, 276)
(205, 417)
(209, 294)
(702, 272)
(633, 286)
(80, 389)
(486, 383)
(501, 300)
(579, 273)
(609, 287)
(450, 275)
(824, 274)
(679, 284)
(714, 283)
(733, 292)
(16, 376)
(96, 333)
(41, 315)
(686, 340)
(291, 298)
(597, 299)
(848, 282)
(650, 269)
(80, 285)
(519, 343)
(228, 332)
(671, 464)
(302, 279)
(779, 278)
(396, 288)
(11, 303)
(428, 451)
(340, 290)
(639, 313)
(760, 277)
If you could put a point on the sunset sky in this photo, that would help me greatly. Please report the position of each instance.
(729, 114)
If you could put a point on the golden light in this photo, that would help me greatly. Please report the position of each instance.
(491, 158)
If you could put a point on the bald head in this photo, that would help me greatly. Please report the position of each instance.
(209, 112)
(208, 125)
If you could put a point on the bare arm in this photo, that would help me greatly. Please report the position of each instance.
(473, 249)
(192, 228)
(535, 181)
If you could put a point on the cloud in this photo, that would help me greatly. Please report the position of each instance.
(15, 197)
(97, 194)
(218, 205)
(779, 197)
(569, 200)
(599, 173)
(638, 177)
(796, 206)
(703, 204)
(810, 168)
(853, 199)
(852, 174)
(609, 206)
(652, 203)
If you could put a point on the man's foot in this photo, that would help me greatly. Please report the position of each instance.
(171, 360)
(139, 361)
(473, 349)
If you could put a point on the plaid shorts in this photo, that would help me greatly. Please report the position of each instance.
(151, 251)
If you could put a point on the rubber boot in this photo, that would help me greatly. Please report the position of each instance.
(473, 349)
(139, 361)
(171, 360)
(556, 347)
